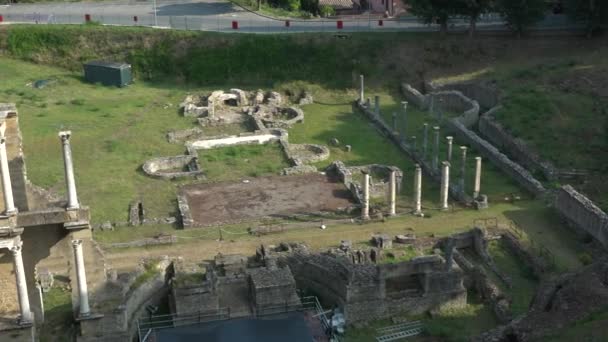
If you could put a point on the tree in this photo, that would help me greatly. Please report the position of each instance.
(521, 14)
(473, 10)
(430, 11)
(593, 12)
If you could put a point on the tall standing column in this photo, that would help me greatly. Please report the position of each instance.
(361, 89)
(463, 167)
(83, 292)
(404, 104)
(450, 140)
(425, 140)
(477, 189)
(418, 191)
(69, 170)
(24, 301)
(392, 188)
(445, 185)
(9, 202)
(365, 207)
(377, 105)
(436, 148)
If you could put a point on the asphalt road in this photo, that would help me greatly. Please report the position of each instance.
(221, 15)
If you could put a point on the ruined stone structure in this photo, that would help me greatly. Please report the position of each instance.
(41, 237)
(582, 213)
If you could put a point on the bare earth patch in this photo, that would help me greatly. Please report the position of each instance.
(230, 202)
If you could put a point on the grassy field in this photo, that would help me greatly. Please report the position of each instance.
(236, 162)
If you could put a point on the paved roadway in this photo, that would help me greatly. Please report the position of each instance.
(209, 15)
(219, 15)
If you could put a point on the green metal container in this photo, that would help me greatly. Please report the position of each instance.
(108, 73)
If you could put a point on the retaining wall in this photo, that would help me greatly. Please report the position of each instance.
(582, 213)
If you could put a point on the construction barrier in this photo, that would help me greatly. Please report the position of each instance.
(1, 19)
(135, 18)
(87, 17)
(287, 23)
(380, 22)
(235, 25)
(339, 24)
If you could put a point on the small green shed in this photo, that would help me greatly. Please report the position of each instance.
(108, 73)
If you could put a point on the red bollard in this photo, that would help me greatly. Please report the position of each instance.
(380, 22)
(235, 25)
(135, 18)
(1, 18)
(287, 23)
(87, 17)
(339, 24)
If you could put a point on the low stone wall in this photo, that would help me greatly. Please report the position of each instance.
(306, 153)
(455, 102)
(514, 170)
(535, 263)
(499, 137)
(184, 210)
(158, 240)
(164, 167)
(486, 96)
(582, 213)
(414, 97)
(183, 135)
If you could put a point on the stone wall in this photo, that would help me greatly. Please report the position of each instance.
(535, 263)
(519, 174)
(486, 96)
(453, 101)
(515, 147)
(582, 213)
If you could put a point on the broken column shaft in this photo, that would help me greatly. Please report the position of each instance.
(477, 189)
(361, 89)
(445, 185)
(392, 184)
(81, 277)
(365, 204)
(418, 191)
(69, 170)
(450, 140)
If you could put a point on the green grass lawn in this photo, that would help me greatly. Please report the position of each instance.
(236, 162)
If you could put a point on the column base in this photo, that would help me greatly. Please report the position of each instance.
(365, 218)
(418, 213)
(392, 214)
(10, 213)
(70, 208)
(25, 323)
(445, 209)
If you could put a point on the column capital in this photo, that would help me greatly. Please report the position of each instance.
(404, 104)
(463, 148)
(436, 128)
(76, 243)
(450, 138)
(477, 158)
(65, 135)
(445, 163)
(16, 249)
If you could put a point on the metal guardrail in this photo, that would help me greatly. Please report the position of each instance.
(399, 331)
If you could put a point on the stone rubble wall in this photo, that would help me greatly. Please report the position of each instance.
(524, 154)
(183, 135)
(509, 167)
(453, 101)
(582, 213)
(535, 263)
(486, 96)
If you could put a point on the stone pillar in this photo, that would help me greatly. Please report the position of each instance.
(394, 121)
(450, 140)
(24, 301)
(404, 104)
(418, 191)
(445, 185)
(377, 105)
(361, 89)
(9, 202)
(425, 139)
(83, 293)
(365, 204)
(392, 188)
(436, 148)
(69, 170)
(463, 167)
(477, 189)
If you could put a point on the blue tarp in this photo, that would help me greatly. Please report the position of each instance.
(287, 327)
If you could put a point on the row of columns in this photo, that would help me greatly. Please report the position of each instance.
(26, 317)
(444, 189)
(9, 202)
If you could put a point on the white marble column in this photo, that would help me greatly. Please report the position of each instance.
(418, 191)
(361, 89)
(445, 185)
(477, 189)
(450, 140)
(24, 301)
(69, 170)
(9, 202)
(392, 188)
(83, 293)
(365, 204)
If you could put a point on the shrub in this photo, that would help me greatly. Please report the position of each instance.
(327, 11)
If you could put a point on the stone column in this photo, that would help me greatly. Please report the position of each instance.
(361, 89)
(463, 167)
(9, 202)
(83, 293)
(69, 170)
(450, 140)
(477, 189)
(425, 139)
(392, 188)
(445, 185)
(24, 301)
(418, 191)
(377, 105)
(365, 204)
(404, 104)
(436, 148)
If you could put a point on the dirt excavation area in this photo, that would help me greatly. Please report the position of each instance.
(230, 202)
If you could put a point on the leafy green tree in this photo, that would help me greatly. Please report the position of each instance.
(473, 9)
(430, 11)
(593, 12)
(521, 14)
